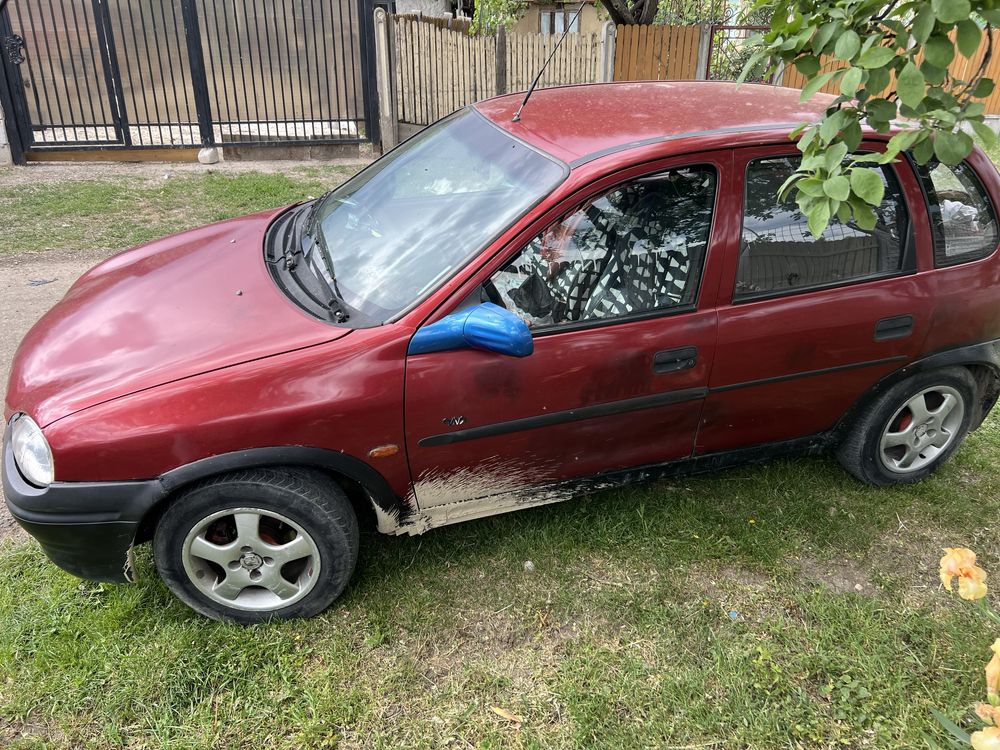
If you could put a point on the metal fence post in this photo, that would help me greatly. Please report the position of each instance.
(369, 86)
(386, 80)
(704, 50)
(199, 81)
(501, 60)
(607, 63)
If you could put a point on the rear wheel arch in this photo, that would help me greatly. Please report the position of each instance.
(369, 492)
(981, 360)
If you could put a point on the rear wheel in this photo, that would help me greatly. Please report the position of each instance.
(259, 544)
(912, 429)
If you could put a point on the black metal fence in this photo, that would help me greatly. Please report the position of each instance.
(174, 73)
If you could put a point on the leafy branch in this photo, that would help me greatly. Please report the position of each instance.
(893, 67)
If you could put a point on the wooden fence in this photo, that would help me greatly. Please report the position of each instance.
(658, 53)
(437, 69)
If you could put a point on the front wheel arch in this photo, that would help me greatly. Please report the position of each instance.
(365, 487)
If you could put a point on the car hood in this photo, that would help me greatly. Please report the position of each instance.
(180, 306)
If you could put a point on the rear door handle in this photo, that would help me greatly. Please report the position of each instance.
(672, 360)
(897, 327)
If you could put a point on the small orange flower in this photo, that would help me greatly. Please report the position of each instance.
(959, 562)
(993, 671)
(988, 713)
(987, 739)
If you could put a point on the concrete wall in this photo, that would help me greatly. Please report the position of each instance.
(427, 7)
(5, 157)
(590, 22)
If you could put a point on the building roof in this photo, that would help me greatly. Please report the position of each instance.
(578, 123)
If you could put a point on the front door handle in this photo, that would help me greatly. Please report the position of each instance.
(672, 360)
(896, 327)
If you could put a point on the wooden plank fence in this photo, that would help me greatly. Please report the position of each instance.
(657, 53)
(438, 69)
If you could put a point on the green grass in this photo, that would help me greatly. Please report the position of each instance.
(120, 212)
(777, 606)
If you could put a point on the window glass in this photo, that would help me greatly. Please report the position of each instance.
(778, 253)
(635, 249)
(962, 219)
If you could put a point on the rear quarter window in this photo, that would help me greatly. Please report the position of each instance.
(963, 221)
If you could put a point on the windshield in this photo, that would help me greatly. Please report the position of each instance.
(400, 228)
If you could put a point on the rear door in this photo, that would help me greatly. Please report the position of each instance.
(807, 326)
(619, 291)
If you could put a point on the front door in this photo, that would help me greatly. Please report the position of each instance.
(624, 338)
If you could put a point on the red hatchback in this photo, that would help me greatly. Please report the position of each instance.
(496, 315)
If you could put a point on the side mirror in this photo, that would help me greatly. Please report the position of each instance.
(487, 327)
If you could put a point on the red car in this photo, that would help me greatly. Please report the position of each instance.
(495, 315)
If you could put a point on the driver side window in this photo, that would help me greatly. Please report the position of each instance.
(635, 249)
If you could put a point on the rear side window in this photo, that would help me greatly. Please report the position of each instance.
(779, 255)
(963, 222)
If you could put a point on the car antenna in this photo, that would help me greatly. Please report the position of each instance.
(538, 77)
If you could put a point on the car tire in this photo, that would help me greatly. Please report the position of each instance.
(909, 431)
(260, 544)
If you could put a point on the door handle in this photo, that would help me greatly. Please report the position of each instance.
(896, 327)
(672, 360)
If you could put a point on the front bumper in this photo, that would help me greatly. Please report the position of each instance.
(86, 528)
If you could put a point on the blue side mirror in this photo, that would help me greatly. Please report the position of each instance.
(487, 326)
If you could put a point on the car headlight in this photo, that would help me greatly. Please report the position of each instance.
(31, 451)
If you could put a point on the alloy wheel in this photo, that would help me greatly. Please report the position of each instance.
(922, 429)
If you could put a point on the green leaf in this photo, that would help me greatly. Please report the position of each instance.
(844, 213)
(985, 133)
(847, 46)
(819, 218)
(823, 36)
(951, 11)
(951, 727)
(851, 135)
(838, 187)
(910, 85)
(867, 185)
(811, 186)
(808, 65)
(951, 148)
(815, 84)
(806, 139)
(983, 89)
(832, 125)
(834, 156)
(968, 37)
(751, 65)
(864, 217)
(876, 57)
(878, 80)
(923, 152)
(882, 109)
(923, 24)
(850, 82)
(939, 51)
(933, 75)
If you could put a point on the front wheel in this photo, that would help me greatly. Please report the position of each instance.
(912, 429)
(258, 544)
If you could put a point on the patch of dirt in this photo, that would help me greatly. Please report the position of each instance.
(840, 575)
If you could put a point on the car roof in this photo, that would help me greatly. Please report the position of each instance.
(579, 123)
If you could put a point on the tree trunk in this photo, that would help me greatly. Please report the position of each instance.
(632, 11)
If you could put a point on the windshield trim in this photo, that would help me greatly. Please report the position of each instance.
(464, 263)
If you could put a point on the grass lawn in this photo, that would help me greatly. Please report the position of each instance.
(778, 606)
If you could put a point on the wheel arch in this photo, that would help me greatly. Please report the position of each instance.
(982, 360)
(363, 484)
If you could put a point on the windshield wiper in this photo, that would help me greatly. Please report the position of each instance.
(313, 235)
